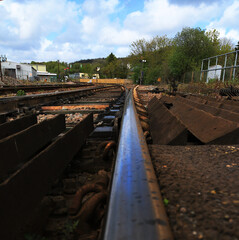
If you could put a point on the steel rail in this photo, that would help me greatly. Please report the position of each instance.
(136, 209)
(31, 88)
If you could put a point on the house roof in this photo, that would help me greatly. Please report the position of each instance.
(40, 73)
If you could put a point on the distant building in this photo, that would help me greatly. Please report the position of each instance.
(20, 71)
(43, 75)
(39, 67)
(84, 76)
(46, 76)
(96, 76)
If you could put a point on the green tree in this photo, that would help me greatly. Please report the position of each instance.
(155, 52)
(111, 58)
(191, 45)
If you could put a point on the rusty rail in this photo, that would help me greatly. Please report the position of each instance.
(31, 88)
(136, 209)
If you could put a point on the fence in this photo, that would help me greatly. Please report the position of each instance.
(198, 76)
(190, 77)
(227, 64)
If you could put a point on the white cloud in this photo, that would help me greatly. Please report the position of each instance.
(33, 19)
(227, 24)
(89, 25)
(161, 17)
(102, 7)
(69, 31)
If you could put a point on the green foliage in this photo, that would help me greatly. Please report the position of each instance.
(69, 229)
(21, 93)
(142, 47)
(191, 46)
(165, 201)
(233, 82)
(111, 58)
(156, 53)
(212, 80)
(114, 68)
(34, 237)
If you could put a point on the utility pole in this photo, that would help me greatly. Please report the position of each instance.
(142, 72)
(58, 76)
(1, 69)
(237, 46)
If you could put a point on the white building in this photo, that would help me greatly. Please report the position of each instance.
(46, 76)
(20, 71)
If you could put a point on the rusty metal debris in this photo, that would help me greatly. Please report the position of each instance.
(74, 107)
(88, 204)
(111, 146)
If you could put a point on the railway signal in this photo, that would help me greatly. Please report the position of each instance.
(237, 46)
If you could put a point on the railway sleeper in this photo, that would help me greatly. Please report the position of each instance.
(85, 182)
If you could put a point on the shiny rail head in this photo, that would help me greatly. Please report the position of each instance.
(136, 210)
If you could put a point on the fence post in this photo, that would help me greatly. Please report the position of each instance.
(235, 63)
(224, 70)
(192, 76)
(230, 74)
(1, 69)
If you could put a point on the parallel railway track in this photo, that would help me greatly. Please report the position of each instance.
(9, 105)
(36, 88)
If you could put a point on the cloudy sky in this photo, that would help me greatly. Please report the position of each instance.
(71, 30)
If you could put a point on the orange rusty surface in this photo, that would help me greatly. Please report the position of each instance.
(82, 106)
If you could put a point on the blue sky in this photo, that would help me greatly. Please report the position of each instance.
(70, 30)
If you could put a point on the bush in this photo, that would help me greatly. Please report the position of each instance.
(21, 93)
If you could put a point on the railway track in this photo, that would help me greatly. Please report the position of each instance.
(35, 154)
(13, 105)
(37, 88)
(80, 168)
(58, 163)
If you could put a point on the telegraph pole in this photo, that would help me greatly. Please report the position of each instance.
(142, 72)
(58, 76)
(1, 69)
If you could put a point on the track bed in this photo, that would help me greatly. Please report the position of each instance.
(195, 153)
(201, 184)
